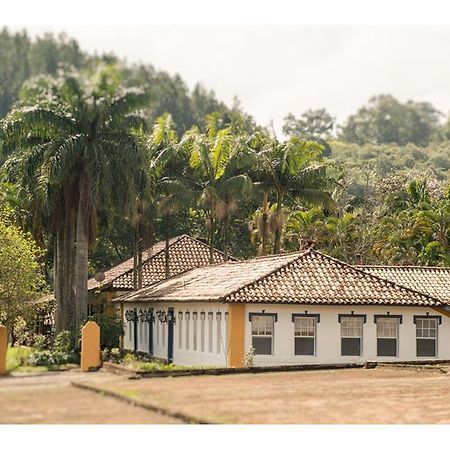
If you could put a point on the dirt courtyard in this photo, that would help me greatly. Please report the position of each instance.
(349, 396)
(51, 399)
(345, 396)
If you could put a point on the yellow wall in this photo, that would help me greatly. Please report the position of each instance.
(236, 334)
(104, 298)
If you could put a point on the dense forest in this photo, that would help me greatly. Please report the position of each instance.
(118, 156)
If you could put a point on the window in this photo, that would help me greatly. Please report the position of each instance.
(351, 334)
(141, 337)
(218, 331)
(163, 331)
(387, 335)
(305, 333)
(202, 331)
(194, 325)
(187, 317)
(180, 329)
(145, 331)
(262, 333)
(210, 331)
(158, 329)
(426, 335)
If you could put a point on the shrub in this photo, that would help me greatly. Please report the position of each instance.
(112, 355)
(64, 342)
(41, 342)
(110, 330)
(60, 352)
(249, 358)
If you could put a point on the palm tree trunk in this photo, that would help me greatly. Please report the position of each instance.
(167, 250)
(68, 301)
(265, 222)
(81, 256)
(58, 267)
(279, 228)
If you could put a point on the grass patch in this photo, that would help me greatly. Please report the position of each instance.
(17, 356)
(158, 367)
(16, 359)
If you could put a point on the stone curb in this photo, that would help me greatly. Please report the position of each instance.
(118, 369)
(148, 406)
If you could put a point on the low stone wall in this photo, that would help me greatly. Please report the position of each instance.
(121, 370)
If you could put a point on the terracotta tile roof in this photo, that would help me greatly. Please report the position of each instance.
(308, 277)
(185, 253)
(433, 281)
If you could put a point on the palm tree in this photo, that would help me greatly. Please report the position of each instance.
(290, 168)
(172, 191)
(77, 153)
(218, 160)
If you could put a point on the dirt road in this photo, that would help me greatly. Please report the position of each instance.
(50, 398)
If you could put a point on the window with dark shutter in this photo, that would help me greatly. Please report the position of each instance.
(426, 336)
(262, 333)
(305, 335)
(351, 335)
(387, 336)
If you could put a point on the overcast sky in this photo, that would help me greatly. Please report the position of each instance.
(276, 70)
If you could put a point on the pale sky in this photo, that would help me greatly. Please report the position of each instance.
(274, 70)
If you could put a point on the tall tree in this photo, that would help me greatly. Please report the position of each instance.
(385, 120)
(172, 192)
(21, 280)
(289, 168)
(313, 125)
(219, 163)
(77, 154)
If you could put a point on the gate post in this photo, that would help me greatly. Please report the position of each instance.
(3, 349)
(90, 347)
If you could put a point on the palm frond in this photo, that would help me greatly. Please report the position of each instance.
(220, 152)
(131, 100)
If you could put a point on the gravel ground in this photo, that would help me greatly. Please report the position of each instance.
(50, 398)
(350, 396)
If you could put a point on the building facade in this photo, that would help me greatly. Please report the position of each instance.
(300, 308)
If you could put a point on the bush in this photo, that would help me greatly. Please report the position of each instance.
(64, 342)
(110, 330)
(41, 342)
(249, 358)
(22, 333)
(60, 352)
(112, 355)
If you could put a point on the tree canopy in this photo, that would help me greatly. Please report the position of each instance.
(21, 280)
(100, 158)
(385, 120)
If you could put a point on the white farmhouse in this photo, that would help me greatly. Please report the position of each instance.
(297, 308)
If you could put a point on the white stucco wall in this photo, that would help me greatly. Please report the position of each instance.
(328, 344)
(184, 354)
(328, 339)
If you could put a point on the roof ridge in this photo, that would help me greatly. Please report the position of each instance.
(174, 240)
(378, 278)
(243, 261)
(207, 245)
(387, 266)
(272, 272)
